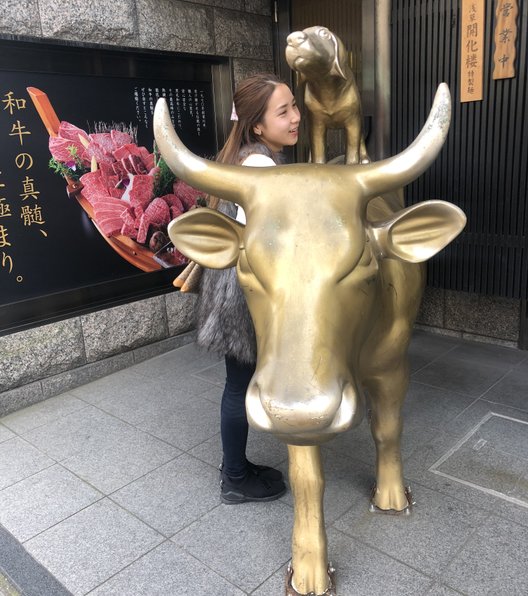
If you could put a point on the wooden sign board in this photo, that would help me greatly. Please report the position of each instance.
(505, 38)
(472, 50)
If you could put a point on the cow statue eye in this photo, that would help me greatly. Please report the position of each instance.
(324, 33)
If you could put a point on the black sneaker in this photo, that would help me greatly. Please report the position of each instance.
(250, 487)
(265, 471)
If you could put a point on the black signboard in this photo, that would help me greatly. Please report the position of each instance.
(53, 260)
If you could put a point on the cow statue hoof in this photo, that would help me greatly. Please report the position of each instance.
(373, 508)
(330, 591)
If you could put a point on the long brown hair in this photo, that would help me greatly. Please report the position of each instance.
(251, 100)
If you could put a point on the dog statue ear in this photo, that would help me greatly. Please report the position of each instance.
(340, 57)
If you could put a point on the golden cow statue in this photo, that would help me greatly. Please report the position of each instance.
(333, 289)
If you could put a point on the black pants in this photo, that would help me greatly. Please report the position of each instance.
(233, 419)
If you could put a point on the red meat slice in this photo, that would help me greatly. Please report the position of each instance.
(119, 170)
(110, 226)
(104, 140)
(120, 138)
(174, 203)
(108, 214)
(175, 212)
(126, 150)
(127, 165)
(129, 231)
(94, 185)
(137, 164)
(156, 214)
(116, 192)
(149, 163)
(96, 150)
(114, 216)
(105, 199)
(106, 169)
(111, 181)
(59, 149)
(147, 157)
(92, 178)
(140, 190)
(138, 212)
(129, 225)
(187, 194)
(71, 132)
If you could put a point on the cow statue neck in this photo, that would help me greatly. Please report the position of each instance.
(333, 277)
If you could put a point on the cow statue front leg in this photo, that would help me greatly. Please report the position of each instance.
(387, 394)
(309, 572)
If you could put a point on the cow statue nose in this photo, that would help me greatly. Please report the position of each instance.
(315, 417)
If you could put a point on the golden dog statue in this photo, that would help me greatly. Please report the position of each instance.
(331, 95)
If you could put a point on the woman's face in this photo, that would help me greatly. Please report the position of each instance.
(280, 123)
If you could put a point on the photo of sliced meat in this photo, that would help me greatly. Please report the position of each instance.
(121, 191)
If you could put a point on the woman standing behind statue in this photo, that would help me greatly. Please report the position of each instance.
(267, 120)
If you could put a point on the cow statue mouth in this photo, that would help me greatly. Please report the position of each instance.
(311, 422)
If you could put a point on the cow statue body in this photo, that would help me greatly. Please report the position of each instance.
(333, 280)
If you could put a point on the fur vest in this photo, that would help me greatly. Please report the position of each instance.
(222, 316)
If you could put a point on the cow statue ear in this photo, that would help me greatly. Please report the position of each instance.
(208, 237)
(417, 233)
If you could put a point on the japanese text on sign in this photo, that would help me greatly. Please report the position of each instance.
(184, 104)
(505, 38)
(24, 201)
(472, 50)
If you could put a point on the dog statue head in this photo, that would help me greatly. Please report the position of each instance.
(316, 52)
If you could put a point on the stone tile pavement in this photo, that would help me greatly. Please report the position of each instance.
(112, 488)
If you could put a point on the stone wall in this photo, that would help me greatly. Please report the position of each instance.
(471, 316)
(239, 29)
(53, 358)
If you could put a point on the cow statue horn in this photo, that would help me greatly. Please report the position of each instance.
(401, 169)
(232, 182)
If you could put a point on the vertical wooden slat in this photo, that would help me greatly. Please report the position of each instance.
(484, 164)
